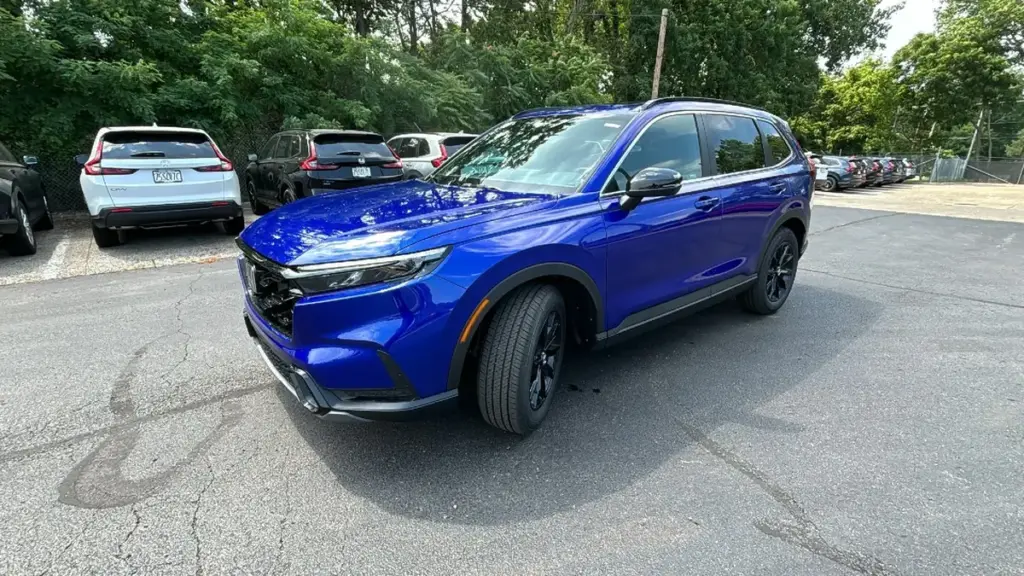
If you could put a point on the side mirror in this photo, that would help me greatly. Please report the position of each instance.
(81, 159)
(650, 183)
(252, 157)
(30, 160)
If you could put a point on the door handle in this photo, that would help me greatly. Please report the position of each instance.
(706, 203)
(778, 187)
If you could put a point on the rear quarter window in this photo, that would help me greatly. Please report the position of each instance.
(328, 145)
(126, 145)
(778, 148)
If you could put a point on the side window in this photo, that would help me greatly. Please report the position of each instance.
(283, 146)
(268, 148)
(295, 148)
(423, 148)
(778, 148)
(410, 148)
(5, 154)
(669, 142)
(735, 143)
(396, 145)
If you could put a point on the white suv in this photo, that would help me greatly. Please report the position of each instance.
(423, 153)
(149, 176)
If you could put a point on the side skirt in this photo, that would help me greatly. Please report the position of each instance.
(675, 309)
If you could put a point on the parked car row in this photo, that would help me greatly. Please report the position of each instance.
(844, 172)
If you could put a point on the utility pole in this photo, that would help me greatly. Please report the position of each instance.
(975, 136)
(661, 53)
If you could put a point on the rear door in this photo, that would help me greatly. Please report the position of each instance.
(155, 167)
(415, 153)
(347, 160)
(751, 193)
(263, 158)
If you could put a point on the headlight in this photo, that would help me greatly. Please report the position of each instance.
(317, 278)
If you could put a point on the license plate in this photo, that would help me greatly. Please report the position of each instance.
(361, 172)
(165, 176)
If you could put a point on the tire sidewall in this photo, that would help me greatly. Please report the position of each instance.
(530, 419)
(24, 233)
(831, 184)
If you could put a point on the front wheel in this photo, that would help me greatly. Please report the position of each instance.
(23, 241)
(775, 276)
(521, 358)
(254, 201)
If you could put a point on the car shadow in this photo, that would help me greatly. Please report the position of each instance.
(621, 414)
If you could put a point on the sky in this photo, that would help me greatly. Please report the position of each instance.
(915, 17)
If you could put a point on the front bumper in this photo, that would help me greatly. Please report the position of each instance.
(166, 214)
(327, 405)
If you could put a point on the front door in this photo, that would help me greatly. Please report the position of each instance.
(662, 253)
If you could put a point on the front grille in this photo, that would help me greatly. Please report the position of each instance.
(273, 297)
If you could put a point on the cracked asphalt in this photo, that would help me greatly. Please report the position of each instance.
(874, 426)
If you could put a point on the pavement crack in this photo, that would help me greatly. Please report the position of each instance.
(915, 290)
(120, 546)
(195, 519)
(798, 530)
(66, 547)
(861, 221)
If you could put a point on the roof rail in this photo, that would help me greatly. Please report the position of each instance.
(651, 103)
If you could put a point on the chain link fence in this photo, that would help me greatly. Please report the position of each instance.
(60, 173)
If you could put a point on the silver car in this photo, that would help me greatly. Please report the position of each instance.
(423, 153)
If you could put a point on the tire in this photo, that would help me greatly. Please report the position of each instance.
(781, 254)
(413, 175)
(23, 241)
(831, 184)
(254, 202)
(105, 237)
(288, 196)
(234, 226)
(46, 222)
(513, 392)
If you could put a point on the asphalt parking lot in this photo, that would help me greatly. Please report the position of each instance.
(873, 426)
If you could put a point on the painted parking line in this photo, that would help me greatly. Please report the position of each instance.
(55, 263)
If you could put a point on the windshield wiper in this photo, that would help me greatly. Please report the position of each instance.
(349, 153)
(153, 154)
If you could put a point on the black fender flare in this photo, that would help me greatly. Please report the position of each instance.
(509, 284)
(787, 216)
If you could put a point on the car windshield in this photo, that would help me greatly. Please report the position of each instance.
(550, 154)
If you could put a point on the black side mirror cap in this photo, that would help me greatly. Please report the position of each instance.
(81, 159)
(650, 183)
(30, 160)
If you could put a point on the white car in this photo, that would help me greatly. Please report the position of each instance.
(149, 176)
(424, 153)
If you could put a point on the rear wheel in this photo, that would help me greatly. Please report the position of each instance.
(254, 202)
(105, 237)
(288, 196)
(831, 184)
(234, 226)
(23, 241)
(775, 276)
(521, 358)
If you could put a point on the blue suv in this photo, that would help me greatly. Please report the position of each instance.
(558, 227)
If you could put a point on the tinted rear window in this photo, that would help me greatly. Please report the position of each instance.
(453, 143)
(125, 145)
(369, 146)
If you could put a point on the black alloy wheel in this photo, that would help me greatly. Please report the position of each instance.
(547, 354)
(780, 274)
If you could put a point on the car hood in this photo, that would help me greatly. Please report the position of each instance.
(376, 221)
